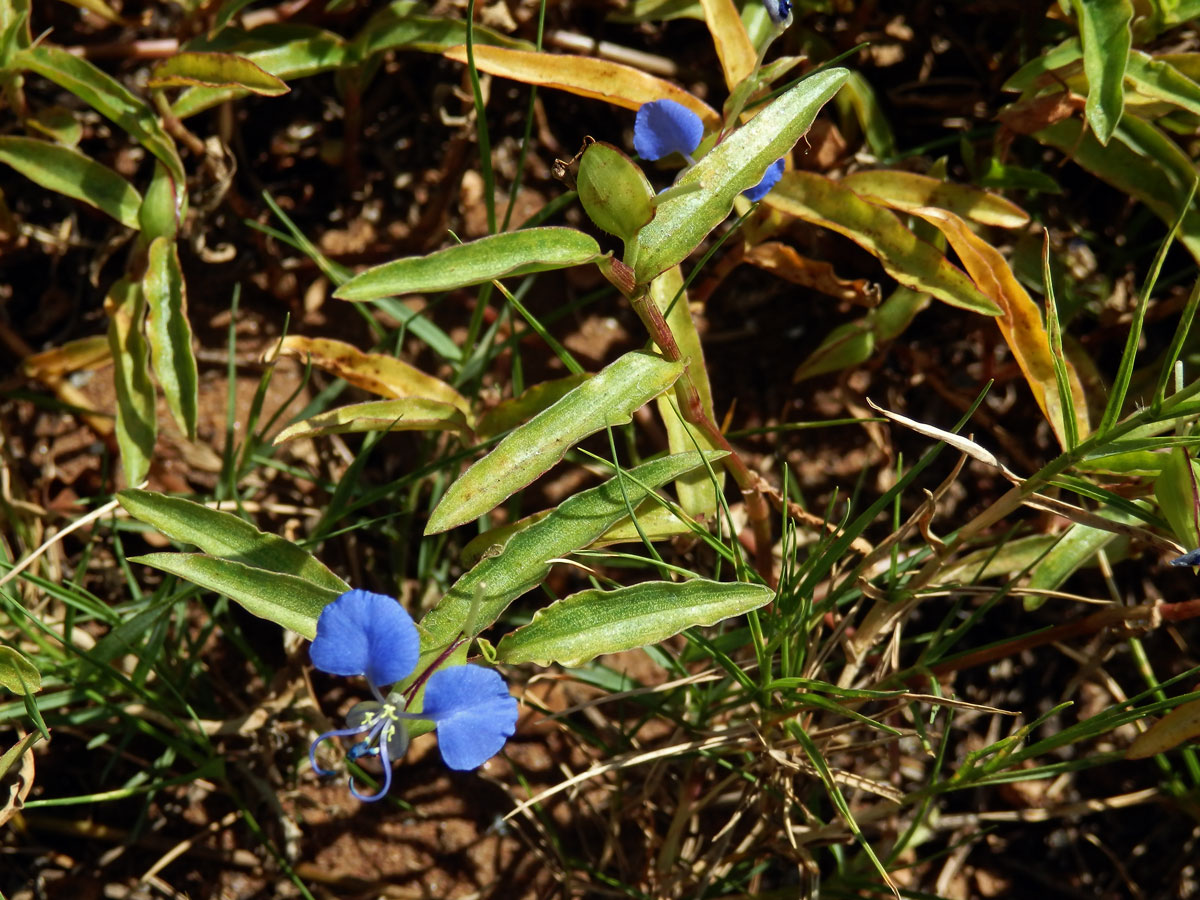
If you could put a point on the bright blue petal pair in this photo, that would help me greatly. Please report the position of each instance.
(663, 127)
(361, 633)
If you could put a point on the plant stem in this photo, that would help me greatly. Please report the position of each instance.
(693, 411)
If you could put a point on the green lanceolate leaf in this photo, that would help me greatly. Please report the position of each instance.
(615, 193)
(170, 333)
(18, 674)
(206, 69)
(74, 175)
(1177, 489)
(283, 599)
(849, 344)
(1162, 81)
(609, 398)
(14, 30)
(1077, 548)
(1027, 79)
(585, 625)
(511, 413)
(507, 571)
(105, 95)
(286, 52)
(477, 262)
(224, 534)
(862, 100)
(405, 414)
(137, 426)
(734, 165)
(911, 261)
(1104, 30)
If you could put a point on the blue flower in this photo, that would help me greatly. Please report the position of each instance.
(664, 127)
(361, 633)
(769, 180)
(780, 11)
(1188, 559)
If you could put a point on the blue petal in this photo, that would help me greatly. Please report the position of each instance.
(1188, 559)
(361, 633)
(769, 180)
(780, 11)
(474, 713)
(664, 127)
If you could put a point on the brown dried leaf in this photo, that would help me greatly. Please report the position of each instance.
(782, 260)
(1020, 322)
(585, 76)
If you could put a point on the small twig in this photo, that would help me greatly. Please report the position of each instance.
(581, 43)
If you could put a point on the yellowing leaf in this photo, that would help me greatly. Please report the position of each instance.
(1179, 725)
(305, 51)
(84, 353)
(907, 190)
(406, 414)
(375, 372)
(1020, 321)
(782, 260)
(585, 76)
(204, 69)
(17, 673)
(734, 49)
(137, 426)
(910, 260)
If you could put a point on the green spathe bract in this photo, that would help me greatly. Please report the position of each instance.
(614, 192)
(734, 165)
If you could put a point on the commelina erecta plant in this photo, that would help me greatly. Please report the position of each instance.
(361, 633)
